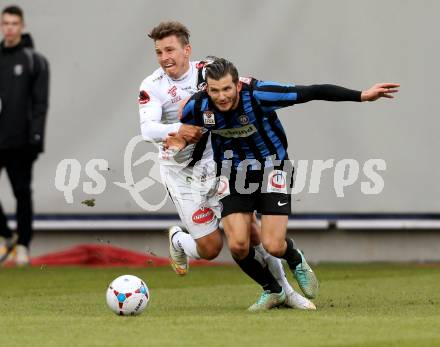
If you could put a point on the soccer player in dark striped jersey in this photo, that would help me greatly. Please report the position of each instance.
(250, 149)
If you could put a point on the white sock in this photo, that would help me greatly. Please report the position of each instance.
(186, 243)
(276, 268)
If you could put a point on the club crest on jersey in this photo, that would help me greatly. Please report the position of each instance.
(277, 182)
(173, 91)
(208, 117)
(243, 119)
(143, 97)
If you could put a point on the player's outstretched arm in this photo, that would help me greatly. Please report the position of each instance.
(380, 90)
(275, 95)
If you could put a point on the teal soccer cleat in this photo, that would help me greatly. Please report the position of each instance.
(268, 300)
(307, 280)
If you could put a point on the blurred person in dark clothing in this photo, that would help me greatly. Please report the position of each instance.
(24, 94)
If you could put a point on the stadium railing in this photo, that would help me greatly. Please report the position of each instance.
(296, 221)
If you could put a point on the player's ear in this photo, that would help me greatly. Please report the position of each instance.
(188, 50)
(239, 86)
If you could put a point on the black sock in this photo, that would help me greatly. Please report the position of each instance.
(292, 256)
(4, 229)
(258, 273)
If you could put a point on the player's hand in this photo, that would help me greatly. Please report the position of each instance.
(174, 142)
(191, 133)
(380, 90)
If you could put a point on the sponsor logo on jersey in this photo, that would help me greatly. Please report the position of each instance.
(203, 215)
(208, 117)
(277, 182)
(243, 119)
(244, 131)
(173, 91)
(158, 78)
(176, 99)
(143, 97)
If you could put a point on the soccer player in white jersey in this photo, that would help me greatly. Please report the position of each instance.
(160, 96)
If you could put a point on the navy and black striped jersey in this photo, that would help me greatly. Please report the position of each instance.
(253, 130)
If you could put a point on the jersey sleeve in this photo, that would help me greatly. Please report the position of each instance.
(150, 112)
(327, 92)
(273, 95)
(189, 113)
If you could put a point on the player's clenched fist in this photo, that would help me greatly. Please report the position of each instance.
(190, 133)
(174, 142)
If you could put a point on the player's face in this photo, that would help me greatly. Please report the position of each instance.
(224, 93)
(173, 56)
(12, 27)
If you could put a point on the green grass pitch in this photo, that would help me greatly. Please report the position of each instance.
(359, 305)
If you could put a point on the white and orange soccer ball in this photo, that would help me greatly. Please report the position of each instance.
(127, 295)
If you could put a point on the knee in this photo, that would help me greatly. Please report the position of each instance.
(275, 247)
(239, 250)
(211, 250)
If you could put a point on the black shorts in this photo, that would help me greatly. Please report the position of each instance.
(268, 199)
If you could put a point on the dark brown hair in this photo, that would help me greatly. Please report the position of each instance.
(166, 29)
(15, 10)
(219, 68)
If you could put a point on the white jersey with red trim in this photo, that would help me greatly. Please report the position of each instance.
(190, 188)
(160, 97)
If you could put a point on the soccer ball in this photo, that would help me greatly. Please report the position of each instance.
(127, 295)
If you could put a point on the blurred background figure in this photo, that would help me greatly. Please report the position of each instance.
(24, 94)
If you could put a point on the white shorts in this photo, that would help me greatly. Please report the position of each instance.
(193, 193)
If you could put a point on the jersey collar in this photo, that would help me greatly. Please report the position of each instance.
(185, 75)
